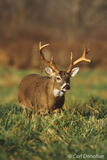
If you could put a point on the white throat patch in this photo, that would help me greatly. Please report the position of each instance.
(58, 93)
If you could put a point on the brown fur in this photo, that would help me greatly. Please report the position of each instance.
(36, 93)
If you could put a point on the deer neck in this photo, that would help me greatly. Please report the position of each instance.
(53, 91)
(52, 99)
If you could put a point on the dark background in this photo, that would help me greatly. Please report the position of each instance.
(66, 25)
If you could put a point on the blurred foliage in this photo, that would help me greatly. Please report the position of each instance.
(63, 16)
(67, 25)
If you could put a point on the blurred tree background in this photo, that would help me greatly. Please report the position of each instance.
(66, 25)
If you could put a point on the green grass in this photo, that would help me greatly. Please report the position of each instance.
(80, 128)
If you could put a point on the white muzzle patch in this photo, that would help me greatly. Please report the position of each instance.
(65, 87)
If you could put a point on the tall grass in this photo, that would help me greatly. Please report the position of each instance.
(80, 128)
(76, 130)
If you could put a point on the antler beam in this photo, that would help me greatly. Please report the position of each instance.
(49, 63)
(82, 58)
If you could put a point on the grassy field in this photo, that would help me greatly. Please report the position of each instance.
(78, 132)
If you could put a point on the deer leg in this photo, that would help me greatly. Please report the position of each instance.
(25, 111)
(32, 110)
(28, 115)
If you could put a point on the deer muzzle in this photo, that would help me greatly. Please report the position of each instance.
(65, 86)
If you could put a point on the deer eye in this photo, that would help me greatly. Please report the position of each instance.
(58, 79)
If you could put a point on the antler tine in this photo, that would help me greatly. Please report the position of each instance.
(49, 63)
(82, 58)
(71, 64)
(42, 46)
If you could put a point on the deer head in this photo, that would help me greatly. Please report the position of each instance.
(61, 78)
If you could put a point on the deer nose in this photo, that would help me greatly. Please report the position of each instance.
(67, 87)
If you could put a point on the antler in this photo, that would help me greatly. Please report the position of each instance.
(49, 63)
(82, 58)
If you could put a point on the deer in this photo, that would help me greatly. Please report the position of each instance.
(45, 94)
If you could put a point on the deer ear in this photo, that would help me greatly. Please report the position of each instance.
(74, 71)
(49, 71)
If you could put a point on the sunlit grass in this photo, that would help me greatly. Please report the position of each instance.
(55, 136)
(80, 128)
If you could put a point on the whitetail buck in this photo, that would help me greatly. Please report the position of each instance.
(47, 93)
